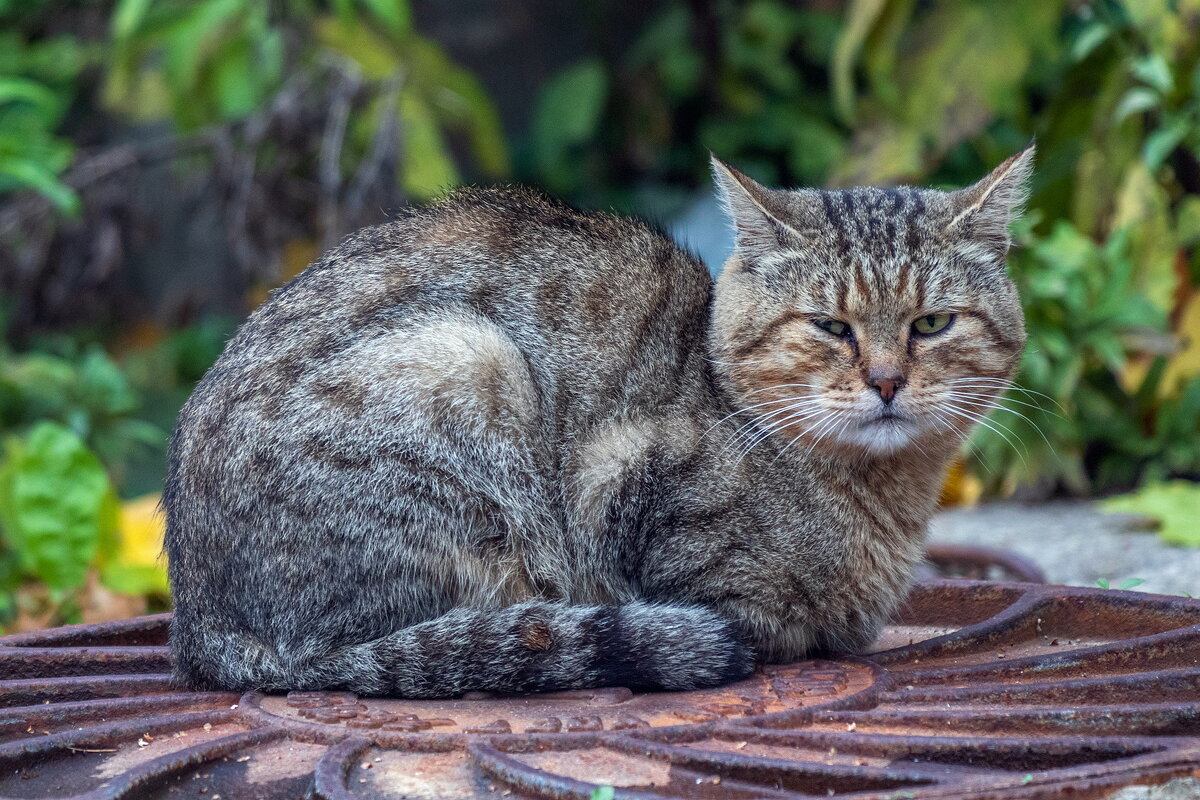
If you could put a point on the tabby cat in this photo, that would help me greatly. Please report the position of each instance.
(499, 444)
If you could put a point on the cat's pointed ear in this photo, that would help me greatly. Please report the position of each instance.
(984, 211)
(754, 210)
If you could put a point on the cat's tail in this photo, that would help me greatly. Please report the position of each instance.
(531, 647)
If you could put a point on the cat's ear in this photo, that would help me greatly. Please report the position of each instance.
(754, 209)
(984, 211)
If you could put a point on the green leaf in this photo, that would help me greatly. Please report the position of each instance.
(1162, 142)
(860, 18)
(350, 37)
(1136, 101)
(570, 105)
(395, 14)
(192, 38)
(1173, 503)
(235, 79)
(1102, 583)
(22, 90)
(567, 115)
(1187, 220)
(1153, 70)
(428, 167)
(56, 504)
(34, 175)
(127, 17)
(1130, 583)
(1088, 40)
(602, 793)
(103, 386)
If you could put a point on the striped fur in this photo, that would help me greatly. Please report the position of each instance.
(500, 444)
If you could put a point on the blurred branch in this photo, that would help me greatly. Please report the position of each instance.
(265, 166)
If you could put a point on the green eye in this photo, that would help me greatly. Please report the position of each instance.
(834, 326)
(932, 323)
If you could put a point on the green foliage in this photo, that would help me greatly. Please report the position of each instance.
(1083, 315)
(37, 86)
(567, 115)
(200, 63)
(743, 80)
(87, 393)
(437, 98)
(1172, 503)
(56, 507)
(204, 62)
(602, 793)
(1125, 585)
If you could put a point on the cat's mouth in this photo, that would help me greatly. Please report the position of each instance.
(888, 416)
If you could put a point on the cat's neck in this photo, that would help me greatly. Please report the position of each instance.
(895, 493)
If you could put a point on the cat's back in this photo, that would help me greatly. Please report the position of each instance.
(605, 312)
(576, 292)
(512, 255)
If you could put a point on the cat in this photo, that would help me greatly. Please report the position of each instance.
(498, 444)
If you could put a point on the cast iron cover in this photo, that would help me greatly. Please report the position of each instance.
(979, 690)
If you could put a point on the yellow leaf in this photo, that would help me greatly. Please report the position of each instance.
(137, 566)
(142, 526)
(960, 488)
(1185, 363)
(1143, 206)
(297, 255)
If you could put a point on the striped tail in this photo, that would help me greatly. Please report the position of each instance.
(538, 646)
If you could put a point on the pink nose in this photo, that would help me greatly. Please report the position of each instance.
(887, 382)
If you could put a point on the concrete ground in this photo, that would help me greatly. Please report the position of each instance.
(1075, 543)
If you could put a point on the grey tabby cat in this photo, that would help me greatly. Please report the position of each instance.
(500, 444)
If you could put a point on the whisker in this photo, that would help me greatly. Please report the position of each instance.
(1007, 384)
(756, 405)
(757, 436)
(800, 435)
(990, 425)
(996, 407)
(1005, 400)
(821, 414)
(788, 385)
(750, 428)
(735, 363)
(821, 431)
(754, 441)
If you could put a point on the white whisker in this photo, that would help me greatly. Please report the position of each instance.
(788, 385)
(756, 405)
(761, 433)
(990, 425)
(750, 429)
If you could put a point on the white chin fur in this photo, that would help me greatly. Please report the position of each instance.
(880, 437)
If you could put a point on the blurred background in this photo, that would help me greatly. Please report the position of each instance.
(165, 163)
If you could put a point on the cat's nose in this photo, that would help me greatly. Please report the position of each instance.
(887, 381)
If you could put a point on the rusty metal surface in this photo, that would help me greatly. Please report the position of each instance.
(981, 563)
(979, 690)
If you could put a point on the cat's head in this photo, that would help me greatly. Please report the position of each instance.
(869, 319)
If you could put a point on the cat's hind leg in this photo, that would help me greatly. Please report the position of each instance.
(385, 484)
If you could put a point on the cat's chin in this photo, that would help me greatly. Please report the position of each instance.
(881, 436)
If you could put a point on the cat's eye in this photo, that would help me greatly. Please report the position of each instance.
(834, 326)
(932, 323)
